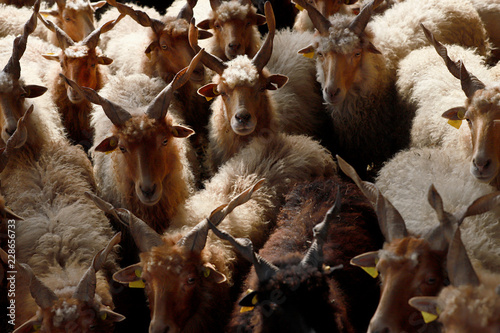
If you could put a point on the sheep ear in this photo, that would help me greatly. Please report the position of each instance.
(209, 90)
(307, 52)
(33, 91)
(260, 19)
(203, 34)
(97, 5)
(46, 13)
(181, 131)
(51, 56)
(455, 113)
(129, 274)
(102, 60)
(108, 145)
(210, 272)
(371, 48)
(249, 300)
(276, 79)
(205, 24)
(32, 325)
(427, 305)
(368, 262)
(110, 316)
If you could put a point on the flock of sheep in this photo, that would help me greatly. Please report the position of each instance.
(184, 173)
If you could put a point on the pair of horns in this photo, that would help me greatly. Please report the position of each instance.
(260, 59)
(470, 83)
(91, 41)
(264, 269)
(13, 67)
(322, 24)
(158, 107)
(85, 291)
(146, 238)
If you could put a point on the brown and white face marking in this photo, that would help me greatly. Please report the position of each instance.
(234, 24)
(408, 267)
(75, 17)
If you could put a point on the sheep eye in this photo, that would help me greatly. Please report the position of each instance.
(217, 26)
(67, 19)
(122, 149)
(320, 54)
(164, 46)
(164, 142)
(431, 280)
(357, 54)
(191, 280)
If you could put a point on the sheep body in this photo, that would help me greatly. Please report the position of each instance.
(415, 170)
(489, 11)
(13, 19)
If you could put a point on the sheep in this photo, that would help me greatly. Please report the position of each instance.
(355, 232)
(84, 63)
(234, 24)
(326, 8)
(187, 275)
(425, 84)
(358, 71)
(246, 110)
(471, 302)
(409, 264)
(71, 298)
(150, 175)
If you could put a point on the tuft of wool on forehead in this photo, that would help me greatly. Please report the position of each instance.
(340, 38)
(233, 10)
(240, 72)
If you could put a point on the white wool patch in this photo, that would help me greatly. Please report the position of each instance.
(340, 39)
(76, 51)
(77, 5)
(65, 313)
(233, 10)
(6, 83)
(240, 72)
(392, 257)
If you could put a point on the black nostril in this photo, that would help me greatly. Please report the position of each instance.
(10, 131)
(336, 92)
(148, 191)
(242, 117)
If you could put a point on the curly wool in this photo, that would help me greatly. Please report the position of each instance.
(240, 72)
(77, 5)
(233, 10)
(340, 38)
(5, 82)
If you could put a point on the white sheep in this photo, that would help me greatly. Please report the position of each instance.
(357, 63)
(489, 11)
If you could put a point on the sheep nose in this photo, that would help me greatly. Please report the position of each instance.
(481, 164)
(148, 191)
(234, 46)
(242, 117)
(10, 131)
(331, 94)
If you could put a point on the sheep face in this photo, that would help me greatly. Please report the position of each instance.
(170, 52)
(75, 17)
(13, 94)
(482, 113)
(70, 315)
(81, 64)
(408, 267)
(235, 29)
(147, 153)
(177, 282)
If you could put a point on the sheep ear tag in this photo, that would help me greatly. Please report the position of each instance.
(455, 116)
(428, 307)
(248, 301)
(368, 262)
(299, 7)
(428, 317)
(138, 283)
(209, 91)
(307, 52)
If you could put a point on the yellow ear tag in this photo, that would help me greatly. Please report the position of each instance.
(309, 55)
(206, 272)
(136, 284)
(104, 316)
(112, 143)
(37, 327)
(44, 15)
(299, 7)
(371, 270)
(455, 123)
(246, 309)
(254, 300)
(428, 317)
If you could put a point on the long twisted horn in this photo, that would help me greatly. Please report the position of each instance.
(314, 256)
(158, 107)
(320, 22)
(460, 270)
(209, 60)
(186, 11)
(358, 25)
(85, 291)
(470, 83)
(92, 40)
(13, 67)
(139, 16)
(264, 54)
(215, 4)
(63, 39)
(114, 112)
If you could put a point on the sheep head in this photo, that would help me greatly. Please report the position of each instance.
(243, 84)
(179, 272)
(235, 28)
(169, 49)
(80, 60)
(482, 113)
(342, 47)
(145, 140)
(81, 311)
(13, 90)
(75, 17)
